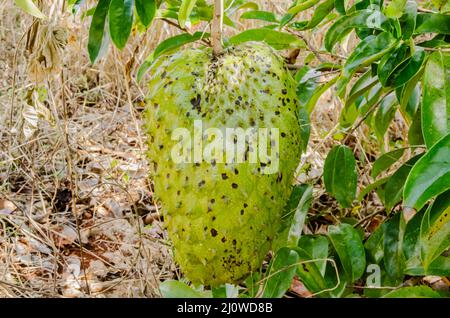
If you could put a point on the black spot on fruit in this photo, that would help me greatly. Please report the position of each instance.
(284, 91)
(234, 185)
(213, 232)
(224, 176)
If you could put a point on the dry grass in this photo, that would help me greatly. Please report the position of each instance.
(77, 216)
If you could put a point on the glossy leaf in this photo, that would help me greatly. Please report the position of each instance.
(358, 19)
(299, 218)
(260, 15)
(120, 21)
(319, 92)
(167, 45)
(349, 247)
(307, 83)
(408, 19)
(430, 176)
(433, 23)
(409, 96)
(373, 186)
(384, 115)
(310, 274)
(177, 289)
(410, 67)
(276, 39)
(393, 257)
(317, 247)
(436, 98)
(390, 62)
(340, 6)
(281, 271)
(360, 88)
(185, 11)
(435, 230)
(439, 267)
(319, 15)
(395, 8)
(29, 7)
(369, 50)
(294, 216)
(394, 187)
(415, 136)
(97, 36)
(375, 244)
(340, 175)
(146, 10)
(385, 161)
(413, 292)
(302, 6)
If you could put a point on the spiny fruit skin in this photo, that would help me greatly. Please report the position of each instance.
(221, 217)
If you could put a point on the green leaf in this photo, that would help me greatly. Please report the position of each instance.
(299, 218)
(411, 240)
(276, 39)
(185, 11)
(409, 96)
(368, 51)
(225, 291)
(432, 23)
(395, 8)
(435, 230)
(319, 92)
(120, 21)
(430, 176)
(319, 15)
(413, 292)
(349, 247)
(294, 216)
(98, 38)
(302, 6)
(317, 247)
(168, 45)
(371, 187)
(415, 136)
(280, 274)
(307, 83)
(386, 160)
(439, 267)
(436, 98)
(384, 115)
(375, 244)
(260, 15)
(350, 112)
(367, 19)
(146, 10)
(29, 7)
(390, 62)
(410, 67)
(394, 187)
(393, 257)
(408, 19)
(340, 175)
(340, 6)
(177, 289)
(310, 274)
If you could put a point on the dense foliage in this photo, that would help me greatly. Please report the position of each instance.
(400, 65)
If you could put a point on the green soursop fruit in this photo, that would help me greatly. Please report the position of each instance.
(222, 213)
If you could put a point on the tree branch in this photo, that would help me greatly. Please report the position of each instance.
(216, 27)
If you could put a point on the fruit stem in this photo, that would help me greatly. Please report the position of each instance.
(216, 27)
